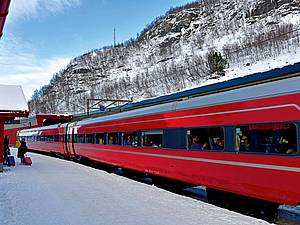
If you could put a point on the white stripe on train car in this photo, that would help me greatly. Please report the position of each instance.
(205, 114)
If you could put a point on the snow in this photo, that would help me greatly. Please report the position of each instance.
(12, 98)
(258, 67)
(54, 191)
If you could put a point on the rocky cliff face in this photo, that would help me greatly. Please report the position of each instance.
(170, 54)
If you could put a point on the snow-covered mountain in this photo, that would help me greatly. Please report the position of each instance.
(174, 52)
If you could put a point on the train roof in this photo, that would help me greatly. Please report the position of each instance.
(253, 79)
(40, 128)
(274, 88)
(261, 77)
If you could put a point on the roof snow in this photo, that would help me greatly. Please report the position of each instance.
(12, 98)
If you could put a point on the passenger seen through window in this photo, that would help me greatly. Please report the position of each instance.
(206, 138)
(130, 138)
(100, 138)
(113, 138)
(152, 138)
(267, 138)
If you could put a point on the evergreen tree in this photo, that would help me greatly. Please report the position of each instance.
(216, 63)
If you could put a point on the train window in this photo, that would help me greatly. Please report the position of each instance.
(43, 138)
(280, 138)
(113, 138)
(75, 138)
(152, 138)
(211, 138)
(130, 138)
(89, 138)
(52, 138)
(56, 138)
(100, 138)
(80, 138)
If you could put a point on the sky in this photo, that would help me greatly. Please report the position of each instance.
(41, 37)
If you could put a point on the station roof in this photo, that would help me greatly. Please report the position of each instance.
(12, 101)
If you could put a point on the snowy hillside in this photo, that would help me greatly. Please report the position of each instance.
(173, 53)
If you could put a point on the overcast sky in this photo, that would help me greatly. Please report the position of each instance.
(40, 37)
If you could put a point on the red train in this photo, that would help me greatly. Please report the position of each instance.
(243, 141)
(12, 127)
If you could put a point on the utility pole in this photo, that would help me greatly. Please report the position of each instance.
(97, 104)
(114, 37)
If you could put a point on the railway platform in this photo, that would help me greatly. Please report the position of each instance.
(56, 191)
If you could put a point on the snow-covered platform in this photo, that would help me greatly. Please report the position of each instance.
(58, 192)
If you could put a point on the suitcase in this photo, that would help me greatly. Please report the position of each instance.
(27, 160)
(11, 160)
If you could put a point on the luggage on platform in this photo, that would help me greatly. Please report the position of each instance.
(11, 160)
(27, 160)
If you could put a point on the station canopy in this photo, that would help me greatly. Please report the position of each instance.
(12, 104)
(12, 100)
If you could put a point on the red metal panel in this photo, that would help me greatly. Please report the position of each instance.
(282, 108)
(4, 5)
(53, 131)
(12, 135)
(45, 146)
(62, 144)
(1, 140)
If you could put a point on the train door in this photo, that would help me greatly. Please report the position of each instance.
(65, 140)
(61, 139)
(69, 137)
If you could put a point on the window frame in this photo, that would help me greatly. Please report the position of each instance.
(295, 123)
(205, 150)
(104, 138)
(142, 142)
(87, 137)
(118, 138)
(122, 134)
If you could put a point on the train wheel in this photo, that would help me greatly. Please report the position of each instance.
(245, 205)
(269, 211)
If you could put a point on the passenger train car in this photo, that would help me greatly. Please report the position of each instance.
(13, 126)
(243, 141)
